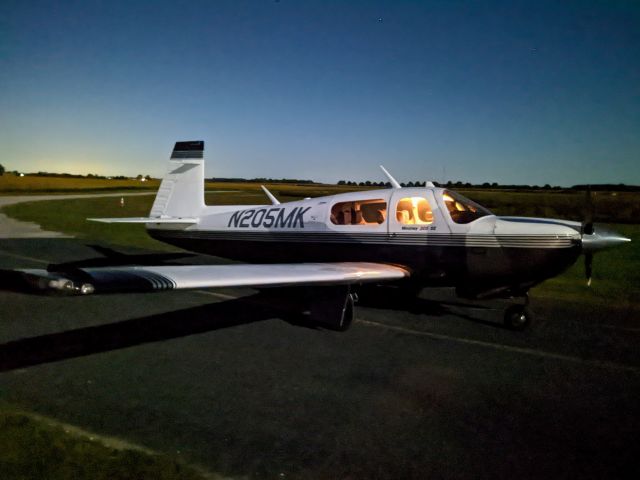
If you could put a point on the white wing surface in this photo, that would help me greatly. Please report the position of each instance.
(144, 279)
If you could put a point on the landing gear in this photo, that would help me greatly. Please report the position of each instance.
(332, 307)
(518, 317)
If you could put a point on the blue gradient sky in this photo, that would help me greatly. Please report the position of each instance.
(514, 92)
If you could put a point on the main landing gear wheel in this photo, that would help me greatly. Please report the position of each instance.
(333, 307)
(517, 317)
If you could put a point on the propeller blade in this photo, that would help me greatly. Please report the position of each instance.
(587, 225)
(588, 267)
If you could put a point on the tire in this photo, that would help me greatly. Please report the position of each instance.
(347, 314)
(517, 317)
(332, 308)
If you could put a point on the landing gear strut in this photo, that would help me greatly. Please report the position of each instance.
(332, 307)
(518, 317)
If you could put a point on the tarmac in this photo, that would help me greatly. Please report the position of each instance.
(232, 381)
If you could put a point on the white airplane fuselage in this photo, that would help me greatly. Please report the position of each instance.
(414, 227)
(327, 246)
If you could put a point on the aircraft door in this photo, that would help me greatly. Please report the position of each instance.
(415, 211)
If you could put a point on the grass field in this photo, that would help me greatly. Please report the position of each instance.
(610, 207)
(11, 184)
(32, 447)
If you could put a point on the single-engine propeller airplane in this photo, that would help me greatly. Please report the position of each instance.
(413, 237)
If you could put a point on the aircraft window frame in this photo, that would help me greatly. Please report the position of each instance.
(461, 209)
(414, 210)
(367, 212)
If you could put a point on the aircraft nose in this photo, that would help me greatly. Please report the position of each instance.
(602, 239)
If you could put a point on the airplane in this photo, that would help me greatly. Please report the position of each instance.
(335, 245)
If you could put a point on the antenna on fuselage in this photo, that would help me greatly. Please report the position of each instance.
(393, 181)
(274, 200)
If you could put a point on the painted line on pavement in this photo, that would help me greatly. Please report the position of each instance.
(505, 348)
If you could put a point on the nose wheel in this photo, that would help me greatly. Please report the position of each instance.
(517, 317)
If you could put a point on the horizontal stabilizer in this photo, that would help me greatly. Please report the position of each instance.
(183, 220)
(145, 279)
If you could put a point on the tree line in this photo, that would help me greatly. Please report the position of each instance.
(74, 175)
(260, 180)
(621, 187)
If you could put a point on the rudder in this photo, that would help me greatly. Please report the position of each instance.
(181, 193)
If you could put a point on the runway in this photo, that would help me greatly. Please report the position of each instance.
(231, 381)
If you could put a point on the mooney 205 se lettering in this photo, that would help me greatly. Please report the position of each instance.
(413, 237)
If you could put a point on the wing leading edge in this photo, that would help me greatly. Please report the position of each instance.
(145, 279)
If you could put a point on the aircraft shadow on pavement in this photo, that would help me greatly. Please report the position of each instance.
(383, 298)
(114, 258)
(153, 328)
(260, 306)
(267, 304)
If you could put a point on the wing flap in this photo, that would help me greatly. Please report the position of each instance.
(145, 279)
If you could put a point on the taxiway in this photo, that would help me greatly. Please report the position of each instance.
(229, 379)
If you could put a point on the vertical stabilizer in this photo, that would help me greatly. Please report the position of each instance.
(181, 193)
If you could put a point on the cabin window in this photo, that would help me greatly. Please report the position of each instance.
(359, 212)
(414, 211)
(463, 210)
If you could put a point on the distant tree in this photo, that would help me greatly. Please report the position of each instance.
(494, 184)
(139, 177)
(1, 169)
(486, 185)
(148, 177)
(342, 182)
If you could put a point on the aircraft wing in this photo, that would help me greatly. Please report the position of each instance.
(150, 278)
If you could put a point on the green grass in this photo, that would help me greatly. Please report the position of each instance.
(616, 276)
(32, 448)
(69, 216)
(610, 207)
(10, 184)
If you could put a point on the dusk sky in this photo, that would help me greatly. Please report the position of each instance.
(514, 92)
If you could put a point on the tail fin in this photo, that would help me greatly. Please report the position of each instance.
(181, 193)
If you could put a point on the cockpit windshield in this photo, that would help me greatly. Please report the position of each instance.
(463, 210)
